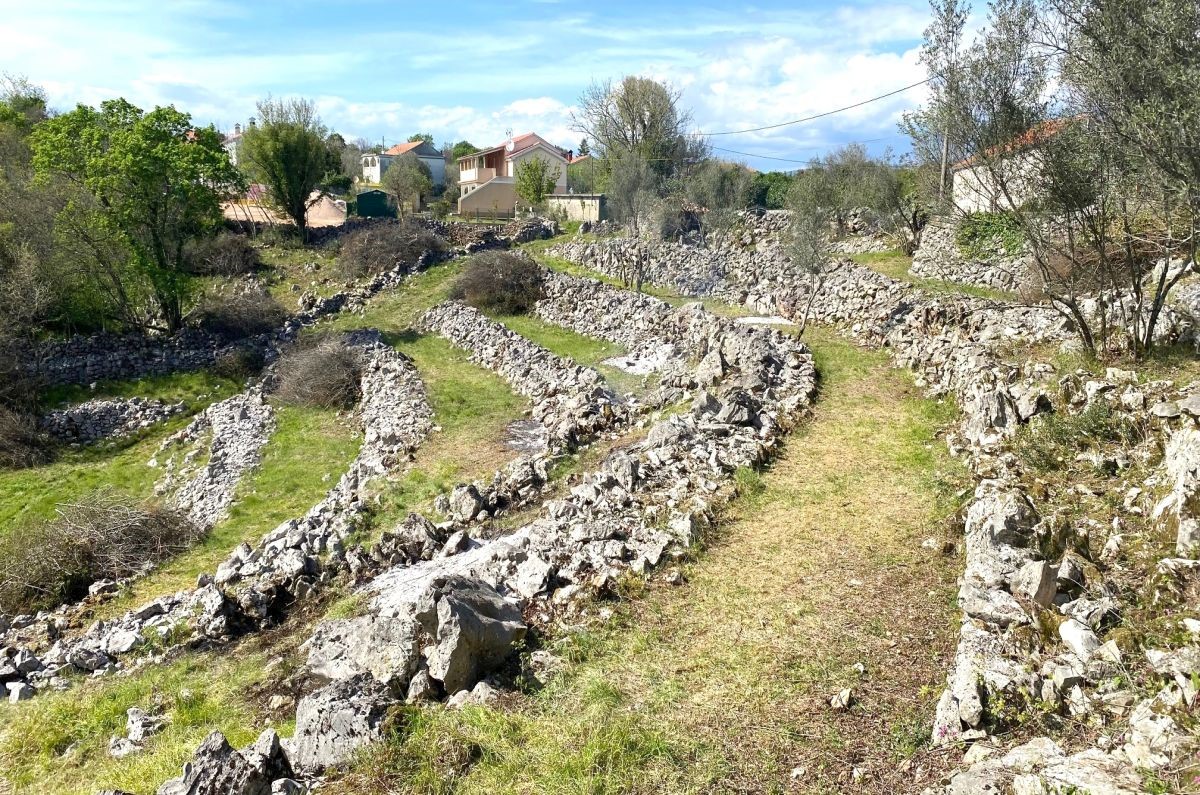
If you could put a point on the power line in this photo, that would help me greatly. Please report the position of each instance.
(819, 115)
(810, 148)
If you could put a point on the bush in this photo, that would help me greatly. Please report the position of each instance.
(981, 235)
(1052, 441)
(241, 314)
(381, 247)
(103, 537)
(226, 254)
(324, 373)
(239, 363)
(21, 444)
(500, 282)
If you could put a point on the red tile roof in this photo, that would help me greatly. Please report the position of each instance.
(1031, 137)
(400, 149)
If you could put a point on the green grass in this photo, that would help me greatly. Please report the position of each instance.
(472, 406)
(287, 264)
(896, 264)
(196, 389)
(773, 628)
(307, 453)
(120, 465)
(58, 742)
(398, 310)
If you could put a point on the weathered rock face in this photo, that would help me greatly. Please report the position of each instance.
(473, 629)
(236, 430)
(1180, 509)
(217, 769)
(106, 418)
(335, 721)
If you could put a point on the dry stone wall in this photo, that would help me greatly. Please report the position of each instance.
(106, 418)
(939, 257)
(449, 609)
(233, 433)
(1016, 564)
(571, 402)
(255, 583)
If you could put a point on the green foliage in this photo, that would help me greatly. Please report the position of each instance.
(500, 282)
(151, 183)
(979, 234)
(408, 179)
(535, 180)
(720, 190)
(286, 151)
(462, 149)
(426, 137)
(1051, 442)
(769, 189)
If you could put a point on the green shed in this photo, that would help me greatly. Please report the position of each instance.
(374, 203)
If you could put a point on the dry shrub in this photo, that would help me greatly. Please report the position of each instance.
(381, 247)
(500, 282)
(242, 314)
(324, 373)
(239, 363)
(225, 254)
(103, 537)
(21, 443)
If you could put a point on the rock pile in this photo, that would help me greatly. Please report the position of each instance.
(106, 418)
(236, 430)
(254, 584)
(940, 257)
(570, 401)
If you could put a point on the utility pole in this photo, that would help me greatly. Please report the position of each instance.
(945, 157)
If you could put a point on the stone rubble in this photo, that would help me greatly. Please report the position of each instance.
(235, 431)
(106, 418)
(254, 584)
(939, 257)
(1017, 563)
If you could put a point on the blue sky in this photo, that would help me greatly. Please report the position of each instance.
(474, 70)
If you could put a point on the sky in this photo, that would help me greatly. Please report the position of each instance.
(474, 71)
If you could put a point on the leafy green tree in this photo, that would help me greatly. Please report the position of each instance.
(769, 189)
(585, 148)
(408, 179)
(287, 152)
(535, 180)
(426, 137)
(462, 149)
(148, 184)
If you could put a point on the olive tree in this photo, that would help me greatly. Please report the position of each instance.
(408, 179)
(719, 191)
(634, 199)
(1078, 119)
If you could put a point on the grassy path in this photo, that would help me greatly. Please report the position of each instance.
(723, 684)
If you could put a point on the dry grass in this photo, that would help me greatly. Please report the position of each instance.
(722, 685)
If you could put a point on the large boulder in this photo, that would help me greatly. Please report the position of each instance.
(473, 629)
(384, 647)
(217, 769)
(335, 721)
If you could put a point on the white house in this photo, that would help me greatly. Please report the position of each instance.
(375, 165)
(1018, 164)
(487, 179)
(233, 143)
